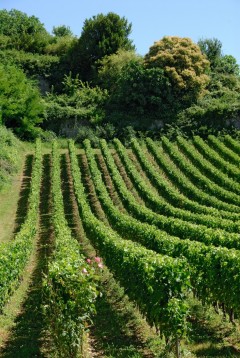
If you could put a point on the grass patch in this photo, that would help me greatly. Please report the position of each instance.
(211, 334)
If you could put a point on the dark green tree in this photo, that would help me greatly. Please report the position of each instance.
(62, 31)
(227, 64)
(20, 102)
(212, 48)
(101, 36)
(22, 32)
(224, 70)
(141, 97)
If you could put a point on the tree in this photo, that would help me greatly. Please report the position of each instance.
(110, 67)
(212, 48)
(183, 64)
(24, 32)
(79, 105)
(227, 64)
(20, 102)
(62, 31)
(101, 36)
(141, 96)
(60, 46)
(224, 73)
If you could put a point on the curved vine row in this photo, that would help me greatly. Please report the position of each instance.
(157, 283)
(186, 186)
(15, 254)
(210, 266)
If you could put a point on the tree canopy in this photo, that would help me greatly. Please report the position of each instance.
(22, 32)
(20, 102)
(62, 31)
(212, 48)
(101, 36)
(111, 67)
(224, 71)
(183, 63)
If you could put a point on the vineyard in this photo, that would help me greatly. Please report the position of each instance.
(161, 217)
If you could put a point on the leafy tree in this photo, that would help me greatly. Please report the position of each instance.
(220, 63)
(23, 32)
(62, 31)
(212, 48)
(141, 96)
(60, 46)
(20, 102)
(61, 43)
(33, 65)
(224, 78)
(110, 67)
(183, 64)
(224, 70)
(101, 36)
(227, 64)
(79, 104)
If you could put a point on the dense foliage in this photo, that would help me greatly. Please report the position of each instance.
(79, 105)
(101, 36)
(20, 101)
(9, 160)
(183, 64)
(22, 32)
(178, 87)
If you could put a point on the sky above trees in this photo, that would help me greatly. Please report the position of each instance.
(151, 20)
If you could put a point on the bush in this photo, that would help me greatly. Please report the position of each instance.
(79, 105)
(20, 102)
(9, 155)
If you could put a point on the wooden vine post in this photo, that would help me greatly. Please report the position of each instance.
(178, 348)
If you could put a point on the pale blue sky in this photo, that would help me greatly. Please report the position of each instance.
(151, 19)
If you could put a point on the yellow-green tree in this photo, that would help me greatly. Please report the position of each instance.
(111, 67)
(184, 65)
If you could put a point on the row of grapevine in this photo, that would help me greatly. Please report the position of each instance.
(210, 217)
(195, 175)
(212, 172)
(171, 225)
(210, 266)
(162, 205)
(214, 157)
(171, 193)
(187, 187)
(224, 151)
(15, 254)
(70, 287)
(232, 143)
(157, 283)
